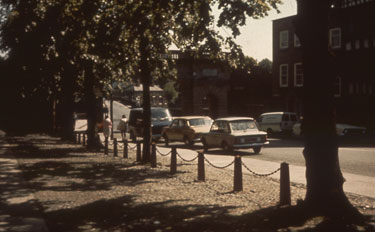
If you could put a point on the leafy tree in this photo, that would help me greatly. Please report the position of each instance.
(188, 24)
(86, 45)
(170, 92)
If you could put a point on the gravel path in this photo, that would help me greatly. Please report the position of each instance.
(77, 190)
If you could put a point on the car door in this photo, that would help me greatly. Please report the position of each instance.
(171, 132)
(217, 133)
(179, 130)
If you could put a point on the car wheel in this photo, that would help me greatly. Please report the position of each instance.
(166, 139)
(257, 149)
(226, 147)
(187, 141)
(132, 136)
(205, 146)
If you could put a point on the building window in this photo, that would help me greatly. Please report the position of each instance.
(297, 43)
(337, 87)
(335, 38)
(351, 88)
(298, 75)
(364, 88)
(209, 72)
(348, 46)
(370, 88)
(284, 75)
(357, 44)
(365, 43)
(284, 39)
(357, 88)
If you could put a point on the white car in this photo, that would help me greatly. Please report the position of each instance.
(341, 129)
(234, 133)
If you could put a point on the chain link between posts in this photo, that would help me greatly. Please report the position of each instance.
(160, 153)
(186, 160)
(257, 174)
(209, 162)
(132, 148)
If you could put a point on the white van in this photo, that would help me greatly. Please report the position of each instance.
(277, 122)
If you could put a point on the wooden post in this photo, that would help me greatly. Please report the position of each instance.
(115, 151)
(125, 155)
(174, 161)
(237, 186)
(284, 184)
(153, 155)
(201, 174)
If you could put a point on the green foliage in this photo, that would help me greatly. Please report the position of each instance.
(170, 92)
(105, 36)
(57, 49)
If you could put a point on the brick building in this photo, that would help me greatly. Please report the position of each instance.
(204, 86)
(352, 41)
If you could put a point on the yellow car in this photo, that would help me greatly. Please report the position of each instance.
(187, 129)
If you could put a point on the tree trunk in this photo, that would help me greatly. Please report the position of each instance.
(67, 103)
(146, 81)
(92, 111)
(323, 174)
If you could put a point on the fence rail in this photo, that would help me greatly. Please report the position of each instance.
(237, 162)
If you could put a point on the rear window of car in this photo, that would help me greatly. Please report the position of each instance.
(200, 122)
(285, 117)
(243, 125)
(159, 113)
(293, 118)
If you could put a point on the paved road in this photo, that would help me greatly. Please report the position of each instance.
(354, 160)
(357, 163)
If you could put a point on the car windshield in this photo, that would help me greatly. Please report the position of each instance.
(242, 125)
(200, 122)
(159, 114)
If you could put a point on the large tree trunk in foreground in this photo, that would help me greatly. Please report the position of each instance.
(323, 174)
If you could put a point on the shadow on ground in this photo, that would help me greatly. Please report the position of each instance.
(125, 214)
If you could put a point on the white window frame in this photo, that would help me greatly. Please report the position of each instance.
(338, 81)
(297, 43)
(332, 34)
(281, 76)
(295, 75)
(284, 43)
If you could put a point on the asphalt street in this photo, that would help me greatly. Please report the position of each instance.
(357, 184)
(356, 162)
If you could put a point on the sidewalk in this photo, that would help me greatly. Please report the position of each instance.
(63, 187)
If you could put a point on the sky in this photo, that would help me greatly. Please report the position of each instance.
(256, 35)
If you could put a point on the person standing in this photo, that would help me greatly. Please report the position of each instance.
(123, 126)
(107, 126)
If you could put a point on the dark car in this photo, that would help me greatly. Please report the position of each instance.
(160, 117)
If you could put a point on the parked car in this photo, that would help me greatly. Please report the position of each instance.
(235, 133)
(160, 117)
(341, 130)
(277, 122)
(187, 129)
